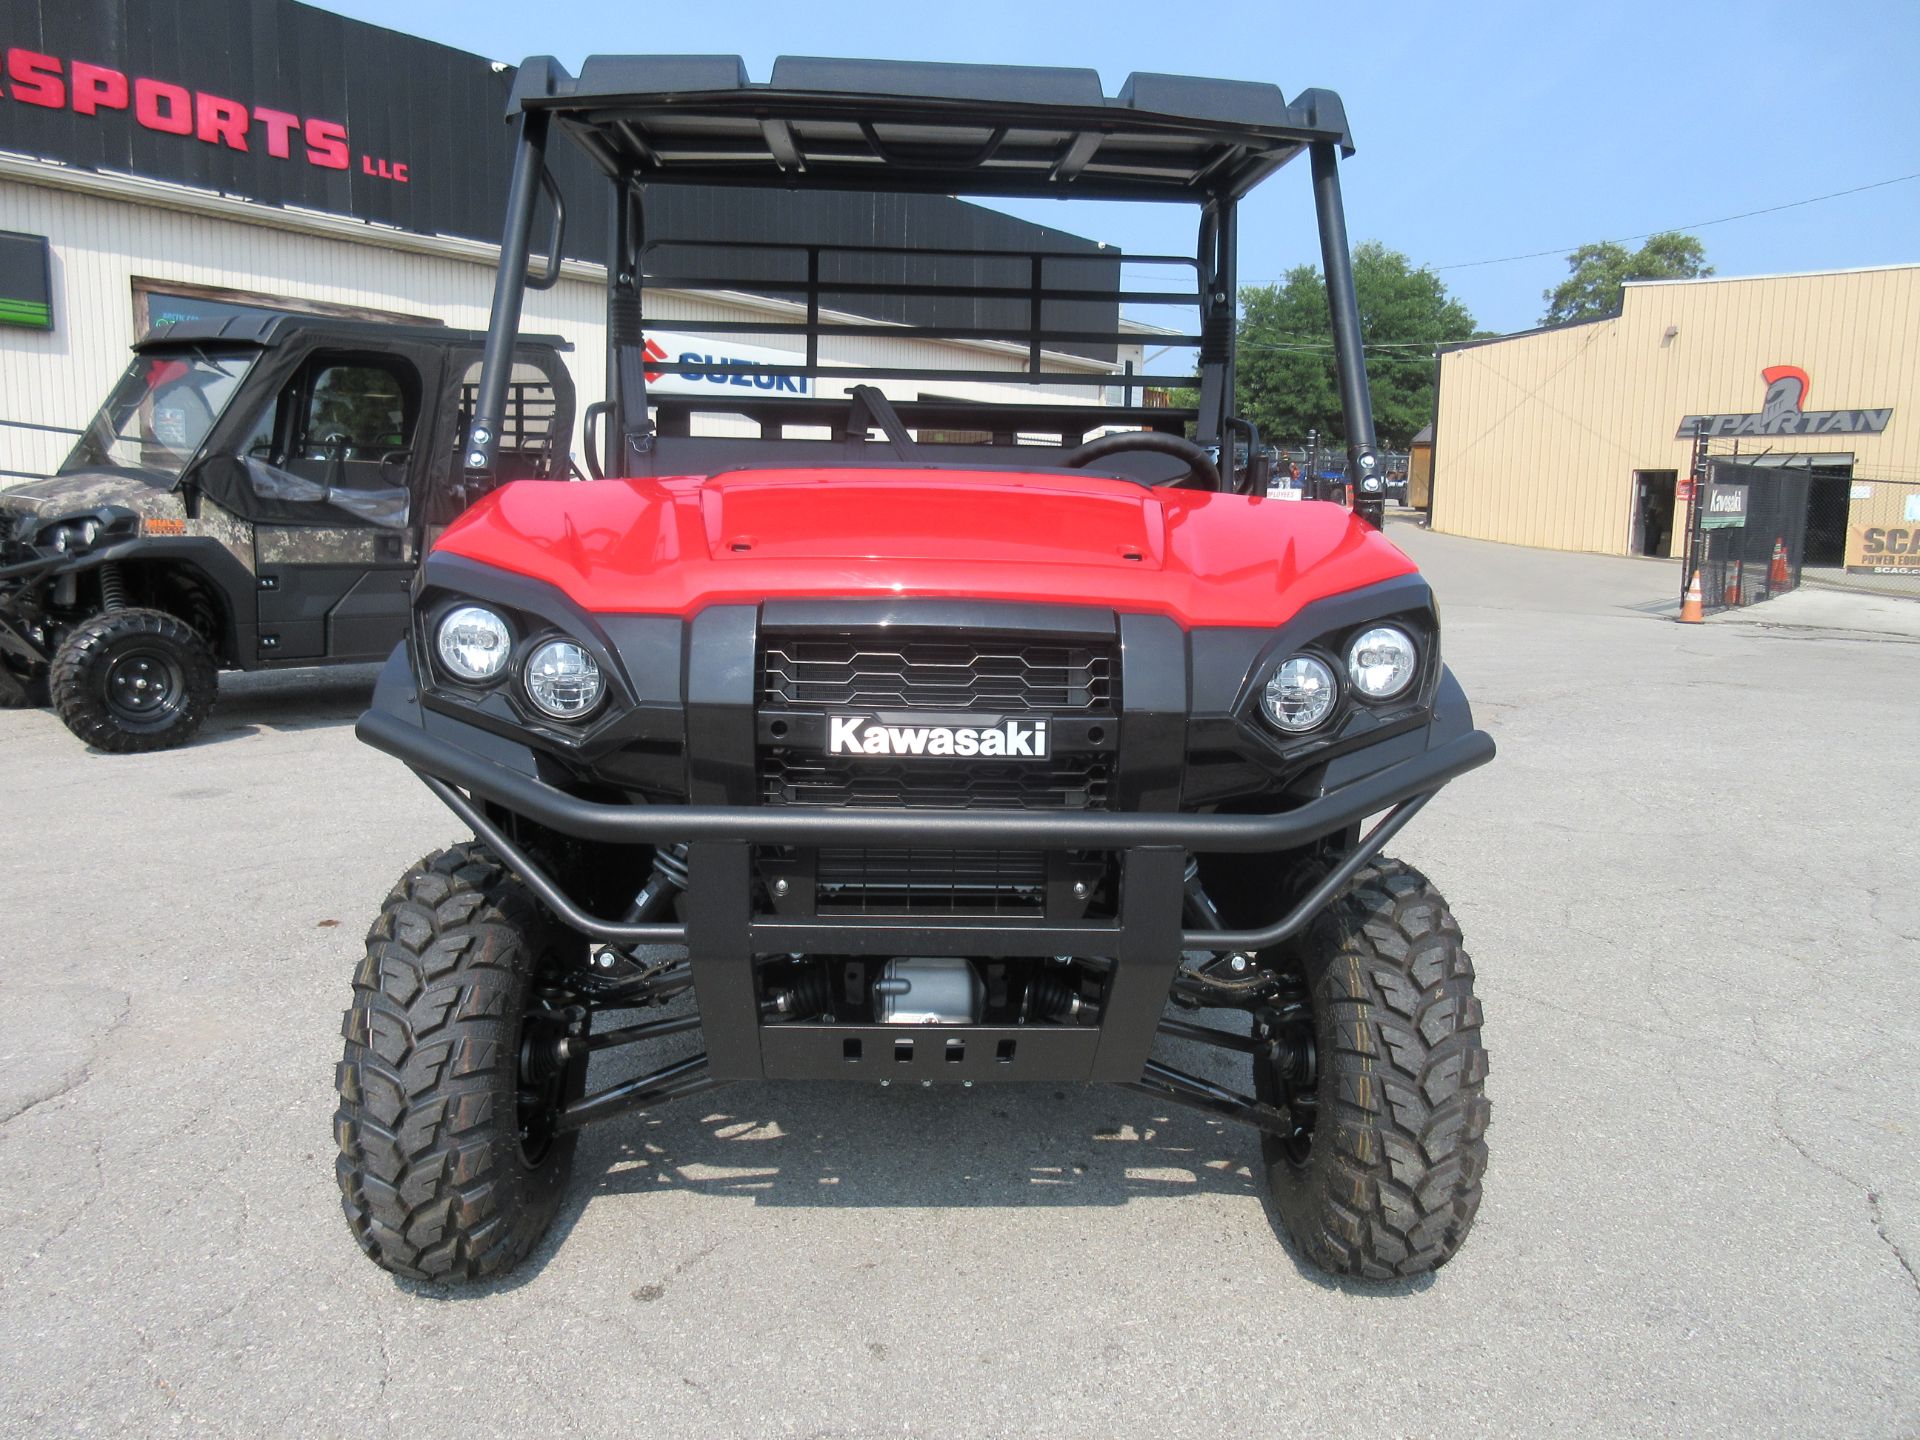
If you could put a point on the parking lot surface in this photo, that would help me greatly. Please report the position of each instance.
(1689, 884)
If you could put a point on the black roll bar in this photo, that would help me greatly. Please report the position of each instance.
(1343, 305)
(509, 291)
(630, 430)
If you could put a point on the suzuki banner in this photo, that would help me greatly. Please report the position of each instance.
(670, 358)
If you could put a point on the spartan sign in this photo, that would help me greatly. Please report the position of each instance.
(1787, 387)
(1783, 412)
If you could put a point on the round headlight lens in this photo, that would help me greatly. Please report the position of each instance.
(563, 680)
(89, 532)
(474, 643)
(1381, 663)
(62, 538)
(1300, 695)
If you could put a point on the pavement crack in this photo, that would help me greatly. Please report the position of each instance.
(1876, 1212)
(1880, 1229)
(79, 1074)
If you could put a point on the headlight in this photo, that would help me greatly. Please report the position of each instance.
(1381, 663)
(474, 643)
(563, 680)
(1300, 695)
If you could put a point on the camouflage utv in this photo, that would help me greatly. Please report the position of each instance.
(255, 493)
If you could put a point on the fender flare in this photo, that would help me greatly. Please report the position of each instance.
(211, 562)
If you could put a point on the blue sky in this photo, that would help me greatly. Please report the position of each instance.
(1484, 129)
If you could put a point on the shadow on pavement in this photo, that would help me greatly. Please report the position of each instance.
(288, 700)
(847, 1145)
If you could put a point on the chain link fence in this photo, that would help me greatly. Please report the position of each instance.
(1746, 533)
(1863, 535)
(1758, 527)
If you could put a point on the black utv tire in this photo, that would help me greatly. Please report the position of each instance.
(130, 681)
(1382, 1179)
(448, 1168)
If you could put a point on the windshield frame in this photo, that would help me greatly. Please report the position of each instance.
(125, 417)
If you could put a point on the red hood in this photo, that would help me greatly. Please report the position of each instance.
(675, 546)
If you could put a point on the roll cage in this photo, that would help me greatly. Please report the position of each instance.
(946, 129)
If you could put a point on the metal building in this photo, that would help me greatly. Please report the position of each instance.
(1582, 436)
(168, 159)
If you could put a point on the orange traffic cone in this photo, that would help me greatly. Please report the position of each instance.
(1693, 609)
(1732, 596)
(1777, 577)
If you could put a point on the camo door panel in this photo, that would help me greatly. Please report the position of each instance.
(334, 593)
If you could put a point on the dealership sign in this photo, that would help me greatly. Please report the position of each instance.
(679, 365)
(1726, 507)
(84, 88)
(1883, 529)
(1783, 412)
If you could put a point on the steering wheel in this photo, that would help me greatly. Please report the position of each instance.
(1200, 466)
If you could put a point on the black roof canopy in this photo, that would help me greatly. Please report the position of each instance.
(919, 126)
(268, 328)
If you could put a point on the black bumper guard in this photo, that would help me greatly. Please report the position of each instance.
(723, 933)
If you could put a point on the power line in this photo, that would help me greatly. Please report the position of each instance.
(1696, 225)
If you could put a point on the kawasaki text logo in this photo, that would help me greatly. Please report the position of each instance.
(862, 735)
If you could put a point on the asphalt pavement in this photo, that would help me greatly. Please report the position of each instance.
(1689, 884)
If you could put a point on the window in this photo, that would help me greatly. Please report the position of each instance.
(159, 414)
(359, 406)
(336, 445)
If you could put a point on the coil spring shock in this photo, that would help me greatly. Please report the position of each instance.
(113, 588)
(669, 877)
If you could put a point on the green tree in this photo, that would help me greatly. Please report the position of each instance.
(1288, 383)
(1595, 274)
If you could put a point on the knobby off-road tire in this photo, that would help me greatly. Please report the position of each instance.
(447, 1170)
(130, 681)
(1385, 1180)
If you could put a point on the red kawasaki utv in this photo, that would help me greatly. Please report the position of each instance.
(916, 760)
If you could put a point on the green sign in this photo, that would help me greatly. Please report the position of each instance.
(26, 284)
(1725, 507)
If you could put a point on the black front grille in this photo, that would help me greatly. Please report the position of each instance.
(850, 881)
(986, 674)
(949, 674)
(1066, 782)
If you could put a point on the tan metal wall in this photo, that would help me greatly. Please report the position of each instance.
(1538, 436)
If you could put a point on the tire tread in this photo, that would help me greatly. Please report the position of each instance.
(431, 1177)
(1393, 1183)
(73, 680)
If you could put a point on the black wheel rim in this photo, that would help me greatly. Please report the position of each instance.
(145, 688)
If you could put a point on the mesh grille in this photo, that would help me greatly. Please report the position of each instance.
(988, 674)
(930, 882)
(1068, 782)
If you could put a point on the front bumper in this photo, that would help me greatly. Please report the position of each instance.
(478, 776)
